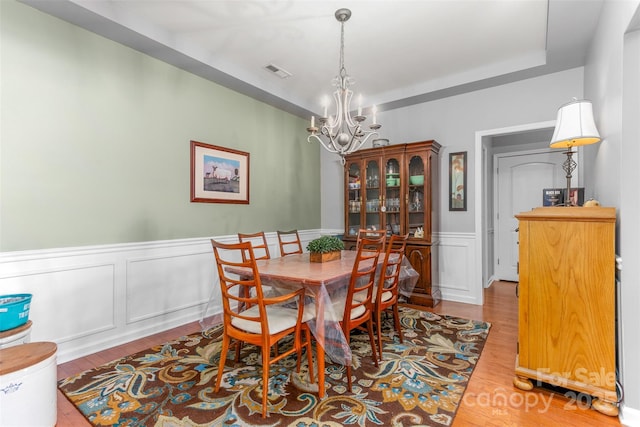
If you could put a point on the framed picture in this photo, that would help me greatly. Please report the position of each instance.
(576, 196)
(218, 174)
(552, 196)
(458, 181)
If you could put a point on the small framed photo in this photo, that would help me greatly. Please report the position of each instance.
(576, 196)
(458, 181)
(219, 174)
(552, 196)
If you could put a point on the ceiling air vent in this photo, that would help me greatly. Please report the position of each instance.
(283, 74)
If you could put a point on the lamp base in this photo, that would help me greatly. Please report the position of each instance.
(568, 166)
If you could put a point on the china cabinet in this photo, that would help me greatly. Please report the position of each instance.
(394, 188)
(566, 302)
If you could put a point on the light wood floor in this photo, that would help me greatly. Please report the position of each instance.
(490, 398)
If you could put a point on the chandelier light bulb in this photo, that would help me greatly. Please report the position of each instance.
(325, 104)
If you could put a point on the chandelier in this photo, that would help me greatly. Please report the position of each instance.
(342, 133)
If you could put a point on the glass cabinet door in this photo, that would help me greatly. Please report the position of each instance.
(415, 196)
(353, 199)
(373, 196)
(392, 197)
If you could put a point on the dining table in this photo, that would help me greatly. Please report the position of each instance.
(326, 284)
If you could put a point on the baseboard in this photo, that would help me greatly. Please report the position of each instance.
(629, 416)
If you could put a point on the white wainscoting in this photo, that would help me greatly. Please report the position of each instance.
(89, 299)
(456, 262)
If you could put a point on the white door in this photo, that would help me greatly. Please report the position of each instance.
(520, 178)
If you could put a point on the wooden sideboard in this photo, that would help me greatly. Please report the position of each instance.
(566, 302)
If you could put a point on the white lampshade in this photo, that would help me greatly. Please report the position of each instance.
(575, 125)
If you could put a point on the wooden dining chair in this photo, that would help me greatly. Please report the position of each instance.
(258, 242)
(358, 305)
(265, 322)
(260, 250)
(289, 242)
(386, 291)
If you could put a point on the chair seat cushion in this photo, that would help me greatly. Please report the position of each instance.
(279, 318)
(386, 295)
(339, 305)
(309, 312)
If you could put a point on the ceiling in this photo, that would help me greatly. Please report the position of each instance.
(398, 52)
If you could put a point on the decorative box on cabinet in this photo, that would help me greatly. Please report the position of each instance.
(566, 302)
(394, 188)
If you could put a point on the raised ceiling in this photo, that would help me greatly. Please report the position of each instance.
(399, 52)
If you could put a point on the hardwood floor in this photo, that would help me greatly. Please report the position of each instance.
(490, 399)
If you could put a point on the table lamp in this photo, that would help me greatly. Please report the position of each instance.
(574, 127)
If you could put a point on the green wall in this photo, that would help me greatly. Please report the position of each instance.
(95, 145)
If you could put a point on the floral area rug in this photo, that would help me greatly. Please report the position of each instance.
(418, 382)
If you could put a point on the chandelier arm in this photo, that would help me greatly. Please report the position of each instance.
(361, 141)
(355, 142)
(348, 95)
(327, 131)
(337, 121)
(316, 138)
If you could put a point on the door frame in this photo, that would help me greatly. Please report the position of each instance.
(496, 159)
(483, 140)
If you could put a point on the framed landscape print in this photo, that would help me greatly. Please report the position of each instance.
(219, 174)
(458, 181)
